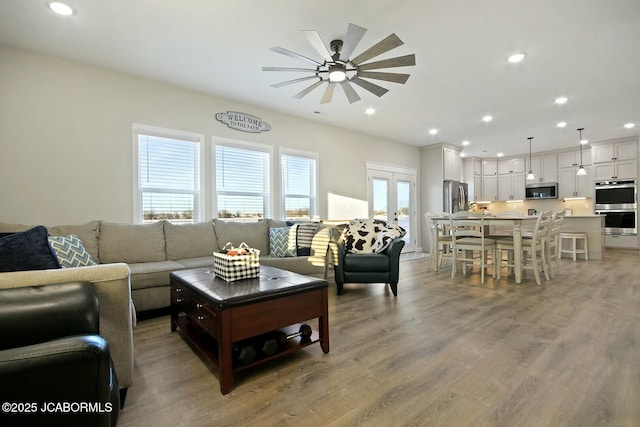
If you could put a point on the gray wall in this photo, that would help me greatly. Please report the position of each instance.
(66, 145)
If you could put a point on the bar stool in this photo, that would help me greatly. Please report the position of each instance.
(573, 237)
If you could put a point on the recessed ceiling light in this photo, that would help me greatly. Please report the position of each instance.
(516, 57)
(630, 125)
(561, 124)
(500, 154)
(561, 100)
(61, 8)
(465, 143)
(370, 111)
(487, 119)
(433, 131)
(462, 154)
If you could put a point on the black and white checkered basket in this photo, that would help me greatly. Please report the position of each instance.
(236, 267)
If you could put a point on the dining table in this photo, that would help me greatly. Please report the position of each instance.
(515, 223)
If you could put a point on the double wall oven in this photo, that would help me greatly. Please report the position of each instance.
(617, 201)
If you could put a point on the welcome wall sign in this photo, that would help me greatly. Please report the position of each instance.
(243, 122)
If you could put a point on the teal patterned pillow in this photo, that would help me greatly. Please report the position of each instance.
(282, 241)
(70, 251)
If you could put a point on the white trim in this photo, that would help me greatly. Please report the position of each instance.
(390, 168)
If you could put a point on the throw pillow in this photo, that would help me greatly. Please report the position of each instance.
(71, 251)
(304, 237)
(28, 250)
(282, 241)
(370, 235)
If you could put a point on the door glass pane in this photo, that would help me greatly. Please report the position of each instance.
(403, 191)
(380, 198)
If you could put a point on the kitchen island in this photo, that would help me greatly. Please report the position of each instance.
(593, 225)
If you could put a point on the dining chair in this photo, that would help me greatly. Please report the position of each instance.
(552, 250)
(496, 231)
(468, 237)
(440, 239)
(533, 249)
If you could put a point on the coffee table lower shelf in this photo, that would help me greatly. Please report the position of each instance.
(208, 345)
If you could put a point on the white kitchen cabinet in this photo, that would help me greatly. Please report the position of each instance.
(572, 185)
(620, 169)
(544, 167)
(612, 151)
(452, 164)
(490, 188)
(489, 180)
(511, 186)
(515, 165)
(472, 175)
(567, 159)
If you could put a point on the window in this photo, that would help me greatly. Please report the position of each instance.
(168, 175)
(298, 185)
(243, 181)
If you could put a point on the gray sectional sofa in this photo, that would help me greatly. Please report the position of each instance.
(153, 251)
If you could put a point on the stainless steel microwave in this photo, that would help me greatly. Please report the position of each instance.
(541, 190)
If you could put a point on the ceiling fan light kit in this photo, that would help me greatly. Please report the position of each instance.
(337, 66)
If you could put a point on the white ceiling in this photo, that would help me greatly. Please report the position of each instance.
(587, 50)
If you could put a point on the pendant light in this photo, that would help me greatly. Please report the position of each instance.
(581, 169)
(530, 175)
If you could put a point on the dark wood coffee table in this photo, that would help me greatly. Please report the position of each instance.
(204, 306)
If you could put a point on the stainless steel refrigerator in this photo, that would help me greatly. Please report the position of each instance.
(456, 196)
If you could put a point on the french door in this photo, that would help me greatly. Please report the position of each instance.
(392, 197)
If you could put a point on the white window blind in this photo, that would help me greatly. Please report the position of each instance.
(169, 177)
(298, 186)
(242, 182)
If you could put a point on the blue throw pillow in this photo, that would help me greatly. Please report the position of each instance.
(70, 251)
(282, 241)
(28, 250)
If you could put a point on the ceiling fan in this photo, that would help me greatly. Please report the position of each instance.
(338, 68)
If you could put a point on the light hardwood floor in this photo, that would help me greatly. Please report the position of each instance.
(443, 353)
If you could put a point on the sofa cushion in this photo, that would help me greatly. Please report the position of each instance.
(27, 250)
(282, 241)
(70, 251)
(254, 234)
(87, 232)
(6, 227)
(131, 243)
(190, 240)
(152, 274)
(200, 262)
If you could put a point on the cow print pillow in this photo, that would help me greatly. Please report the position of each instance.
(370, 235)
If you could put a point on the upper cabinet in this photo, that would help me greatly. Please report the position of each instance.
(544, 168)
(515, 165)
(615, 160)
(568, 159)
(489, 180)
(606, 152)
(452, 164)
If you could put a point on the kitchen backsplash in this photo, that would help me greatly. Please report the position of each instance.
(577, 207)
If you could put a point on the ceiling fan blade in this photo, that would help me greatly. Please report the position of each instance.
(399, 61)
(305, 91)
(328, 94)
(294, 55)
(389, 77)
(313, 70)
(390, 42)
(316, 41)
(351, 93)
(353, 37)
(289, 82)
(371, 87)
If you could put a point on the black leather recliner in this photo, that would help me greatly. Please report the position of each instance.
(381, 267)
(55, 368)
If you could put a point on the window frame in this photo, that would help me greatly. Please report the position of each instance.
(199, 139)
(315, 208)
(268, 204)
